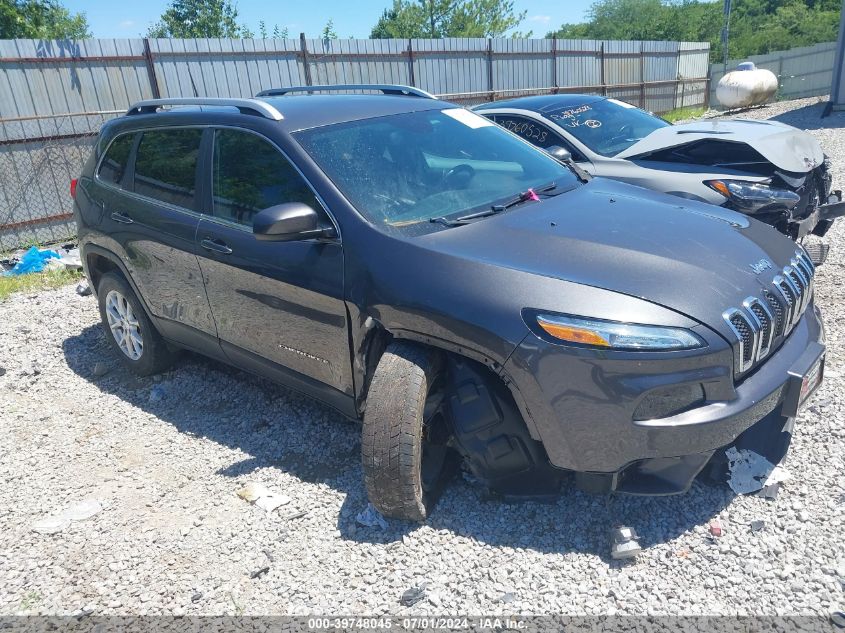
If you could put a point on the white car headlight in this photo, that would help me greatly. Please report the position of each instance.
(754, 194)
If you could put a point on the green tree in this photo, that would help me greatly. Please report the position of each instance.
(199, 18)
(328, 32)
(41, 19)
(278, 34)
(757, 26)
(447, 18)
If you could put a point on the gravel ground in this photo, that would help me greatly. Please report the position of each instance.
(166, 456)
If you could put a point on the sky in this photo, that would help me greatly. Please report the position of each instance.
(352, 18)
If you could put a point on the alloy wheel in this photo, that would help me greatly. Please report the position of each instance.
(124, 325)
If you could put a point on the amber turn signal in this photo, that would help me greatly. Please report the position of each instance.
(573, 334)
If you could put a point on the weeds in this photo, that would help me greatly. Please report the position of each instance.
(681, 114)
(37, 281)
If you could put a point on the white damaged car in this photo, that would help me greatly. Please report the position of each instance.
(766, 169)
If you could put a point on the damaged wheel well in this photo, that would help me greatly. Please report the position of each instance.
(99, 265)
(486, 426)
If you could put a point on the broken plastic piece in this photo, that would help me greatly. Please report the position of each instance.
(623, 543)
(83, 288)
(271, 501)
(82, 510)
(770, 492)
(77, 512)
(370, 517)
(750, 471)
(262, 496)
(715, 527)
(757, 524)
(51, 525)
(413, 595)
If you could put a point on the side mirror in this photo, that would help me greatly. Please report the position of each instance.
(289, 222)
(558, 152)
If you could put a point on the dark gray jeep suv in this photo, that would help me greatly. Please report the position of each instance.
(465, 295)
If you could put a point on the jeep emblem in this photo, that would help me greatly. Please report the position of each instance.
(760, 266)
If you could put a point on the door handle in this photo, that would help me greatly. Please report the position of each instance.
(117, 216)
(216, 245)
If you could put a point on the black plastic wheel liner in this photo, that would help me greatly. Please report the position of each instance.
(491, 435)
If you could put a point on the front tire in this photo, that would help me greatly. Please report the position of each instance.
(404, 447)
(129, 331)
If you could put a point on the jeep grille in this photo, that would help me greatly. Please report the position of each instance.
(761, 323)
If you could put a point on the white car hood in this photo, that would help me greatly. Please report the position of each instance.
(786, 147)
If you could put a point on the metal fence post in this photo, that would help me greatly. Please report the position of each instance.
(411, 63)
(555, 87)
(490, 69)
(151, 70)
(601, 70)
(677, 79)
(642, 76)
(306, 66)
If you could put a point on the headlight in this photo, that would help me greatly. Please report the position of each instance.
(753, 195)
(614, 335)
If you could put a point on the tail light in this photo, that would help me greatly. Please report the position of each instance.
(73, 188)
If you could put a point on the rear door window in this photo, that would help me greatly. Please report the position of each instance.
(166, 165)
(114, 162)
(250, 175)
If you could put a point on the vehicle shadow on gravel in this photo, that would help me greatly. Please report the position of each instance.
(809, 117)
(279, 430)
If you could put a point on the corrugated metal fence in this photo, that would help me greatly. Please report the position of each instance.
(802, 72)
(54, 95)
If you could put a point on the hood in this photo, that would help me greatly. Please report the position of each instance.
(784, 146)
(691, 257)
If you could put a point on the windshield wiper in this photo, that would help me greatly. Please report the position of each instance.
(525, 196)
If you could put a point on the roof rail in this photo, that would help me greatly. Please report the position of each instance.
(246, 106)
(388, 89)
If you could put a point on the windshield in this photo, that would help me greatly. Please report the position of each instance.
(608, 126)
(400, 171)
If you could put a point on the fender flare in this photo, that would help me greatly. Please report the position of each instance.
(87, 250)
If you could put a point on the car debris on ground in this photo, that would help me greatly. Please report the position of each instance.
(83, 288)
(370, 517)
(81, 511)
(413, 595)
(623, 543)
(263, 497)
(750, 471)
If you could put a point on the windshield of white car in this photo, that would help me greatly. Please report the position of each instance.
(606, 126)
(402, 170)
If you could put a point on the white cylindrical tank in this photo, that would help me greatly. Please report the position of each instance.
(746, 86)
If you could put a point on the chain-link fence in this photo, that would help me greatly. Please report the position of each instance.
(38, 158)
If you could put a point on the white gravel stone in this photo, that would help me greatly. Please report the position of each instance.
(165, 454)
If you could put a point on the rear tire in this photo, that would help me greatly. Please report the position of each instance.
(136, 342)
(404, 437)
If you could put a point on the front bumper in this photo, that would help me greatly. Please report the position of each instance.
(821, 218)
(581, 404)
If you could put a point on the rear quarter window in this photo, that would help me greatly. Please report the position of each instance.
(113, 167)
(166, 165)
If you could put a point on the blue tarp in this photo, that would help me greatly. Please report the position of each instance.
(33, 261)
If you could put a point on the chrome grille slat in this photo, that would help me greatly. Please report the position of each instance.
(777, 311)
(762, 321)
(760, 311)
(787, 294)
